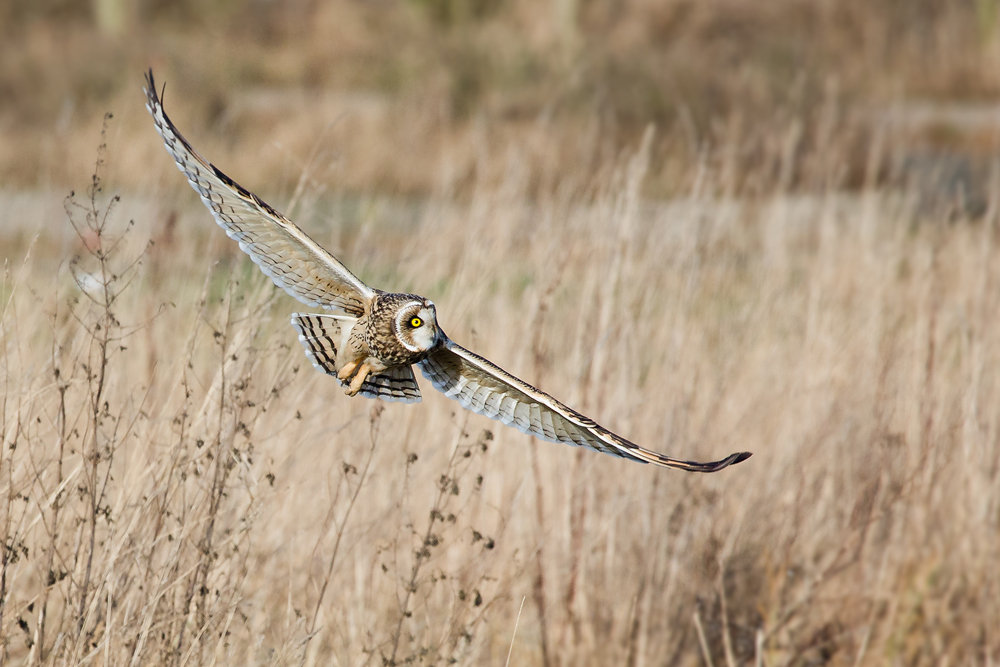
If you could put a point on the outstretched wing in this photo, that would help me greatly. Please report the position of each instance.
(487, 389)
(291, 259)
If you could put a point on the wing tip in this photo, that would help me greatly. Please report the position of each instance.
(740, 456)
(151, 95)
(715, 466)
(646, 456)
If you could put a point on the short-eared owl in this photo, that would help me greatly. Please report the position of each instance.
(375, 339)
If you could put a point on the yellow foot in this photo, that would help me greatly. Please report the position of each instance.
(347, 370)
(359, 379)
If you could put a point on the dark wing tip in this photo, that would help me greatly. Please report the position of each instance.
(150, 86)
(715, 466)
(697, 466)
(742, 456)
(732, 459)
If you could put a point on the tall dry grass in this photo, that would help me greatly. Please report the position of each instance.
(179, 486)
(398, 84)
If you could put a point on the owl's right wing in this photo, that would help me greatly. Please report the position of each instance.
(486, 389)
(291, 259)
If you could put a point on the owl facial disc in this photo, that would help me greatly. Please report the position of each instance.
(416, 326)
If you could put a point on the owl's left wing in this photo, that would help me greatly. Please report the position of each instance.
(284, 252)
(486, 389)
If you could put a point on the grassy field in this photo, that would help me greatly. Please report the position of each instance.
(388, 93)
(713, 227)
(180, 487)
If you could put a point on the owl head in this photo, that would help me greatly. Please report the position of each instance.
(416, 325)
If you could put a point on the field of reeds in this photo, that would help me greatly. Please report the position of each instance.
(819, 285)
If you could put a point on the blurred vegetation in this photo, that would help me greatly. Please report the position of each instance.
(846, 345)
(696, 69)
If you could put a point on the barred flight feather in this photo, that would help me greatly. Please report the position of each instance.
(291, 259)
(486, 389)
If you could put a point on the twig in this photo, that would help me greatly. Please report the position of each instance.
(446, 488)
(727, 644)
(539, 583)
(376, 414)
(701, 640)
(516, 620)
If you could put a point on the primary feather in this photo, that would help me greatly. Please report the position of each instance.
(284, 252)
(486, 389)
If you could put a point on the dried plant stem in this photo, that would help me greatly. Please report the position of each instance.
(727, 643)
(96, 370)
(423, 553)
(514, 634)
(702, 642)
(375, 419)
(538, 585)
(54, 526)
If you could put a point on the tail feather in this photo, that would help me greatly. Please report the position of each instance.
(394, 384)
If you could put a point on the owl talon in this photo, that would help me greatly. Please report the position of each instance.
(347, 370)
(358, 380)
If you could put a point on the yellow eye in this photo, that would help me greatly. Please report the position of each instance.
(416, 322)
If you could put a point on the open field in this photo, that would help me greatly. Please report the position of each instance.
(392, 91)
(711, 225)
(180, 487)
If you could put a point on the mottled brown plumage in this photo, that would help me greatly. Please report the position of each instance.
(383, 331)
(373, 345)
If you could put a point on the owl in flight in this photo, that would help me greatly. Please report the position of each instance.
(375, 338)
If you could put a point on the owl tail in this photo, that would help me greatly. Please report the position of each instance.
(323, 335)
(393, 384)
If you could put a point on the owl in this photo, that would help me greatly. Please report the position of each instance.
(371, 340)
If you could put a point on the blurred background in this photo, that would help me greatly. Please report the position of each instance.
(407, 93)
(711, 225)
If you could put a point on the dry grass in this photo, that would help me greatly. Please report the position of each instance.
(395, 85)
(178, 486)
